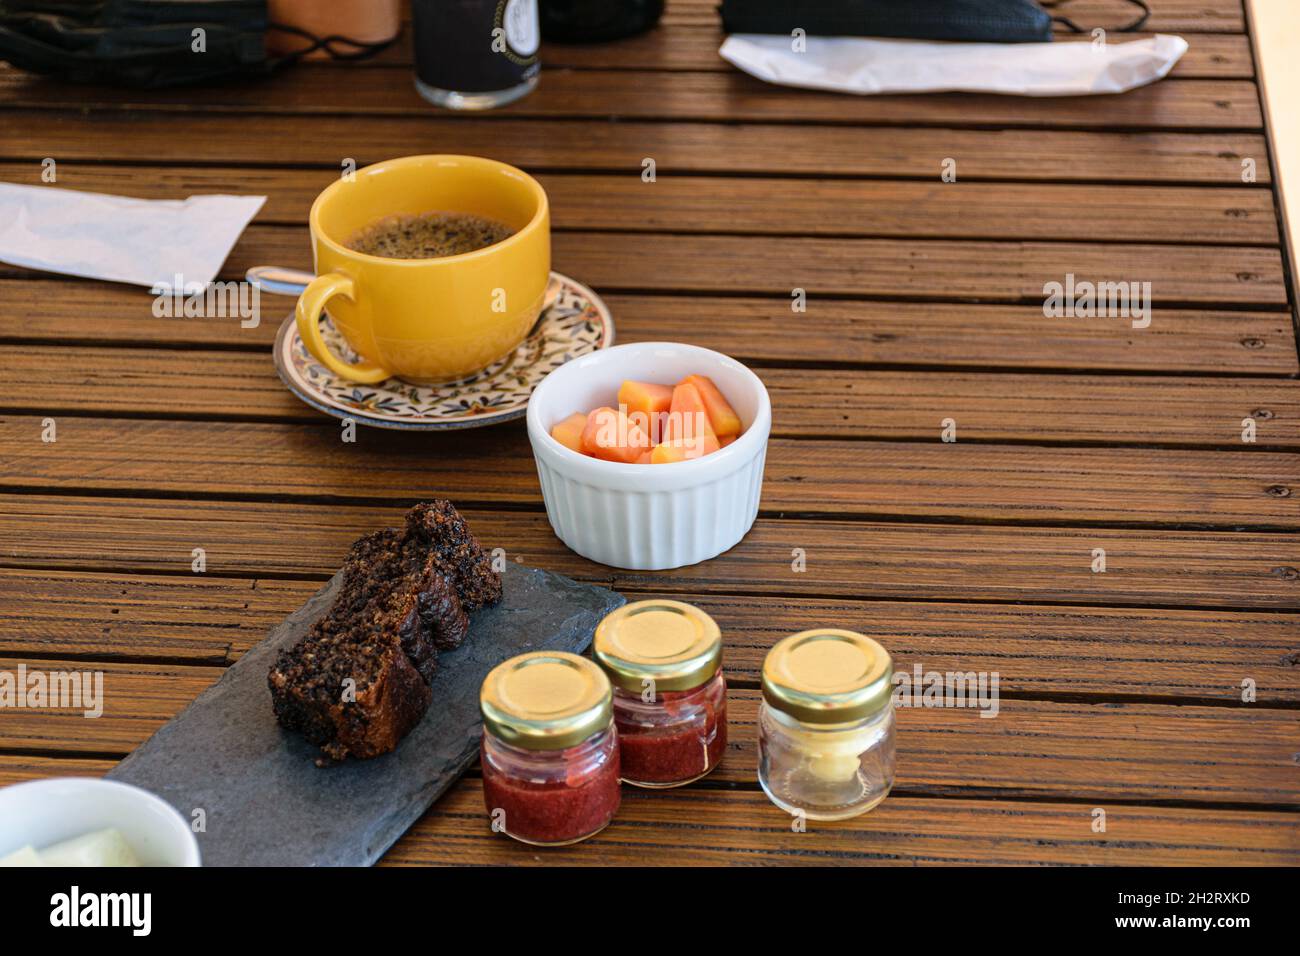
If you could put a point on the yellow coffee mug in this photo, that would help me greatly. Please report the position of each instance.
(427, 320)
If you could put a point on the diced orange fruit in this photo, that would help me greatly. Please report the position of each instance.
(569, 432)
(647, 400)
(645, 458)
(609, 435)
(667, 452)
(688, 420)
(722, 416)
(725, 440)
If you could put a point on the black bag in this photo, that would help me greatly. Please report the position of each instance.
(147, 43)
(995, 21)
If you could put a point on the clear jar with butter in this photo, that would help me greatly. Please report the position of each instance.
(550, 750)
(664, 659)
(826, 724)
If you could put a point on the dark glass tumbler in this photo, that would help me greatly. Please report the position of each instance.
(475, 54)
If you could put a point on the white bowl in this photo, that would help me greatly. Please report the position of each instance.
(44, 812)
(649, 517)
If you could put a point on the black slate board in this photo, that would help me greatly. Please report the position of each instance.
(267, 804)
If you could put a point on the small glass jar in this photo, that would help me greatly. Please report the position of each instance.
(664, 659)
(826, 724)
(550, 751)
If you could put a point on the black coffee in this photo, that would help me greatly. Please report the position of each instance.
(430, 235)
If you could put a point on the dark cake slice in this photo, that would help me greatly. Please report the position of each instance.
(458, 552)
(359, 680)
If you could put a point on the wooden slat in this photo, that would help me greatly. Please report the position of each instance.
(1245, 570)
(677, 148)
(895, 405)
(868, 333)
(730, 97)
(901, 333)
(971, 482)
(912, 269)
(905, 268)
(1029, 749)
(735, 828)
(1195, 276)
(715, 828)
(828, 208)
(1035, 649)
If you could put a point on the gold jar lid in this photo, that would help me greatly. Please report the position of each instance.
(674, 644)
(828, 676)
(545, 700)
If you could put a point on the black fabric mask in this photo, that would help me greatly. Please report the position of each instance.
(990, 21)
(145, 43)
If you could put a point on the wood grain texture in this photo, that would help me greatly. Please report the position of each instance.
(720, 828)
(1027, 749)
(935, 480)
(916, 270)
(895, 268)
(1237, 570)
(1243, 215)
(741, 828)
(700, 97)
(887, 334)
(677, 148)
(891, 405)
(1036, 650)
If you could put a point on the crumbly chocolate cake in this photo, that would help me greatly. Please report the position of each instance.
(359, 680)
(458, 551)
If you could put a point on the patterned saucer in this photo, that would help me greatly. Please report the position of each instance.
(574, 322)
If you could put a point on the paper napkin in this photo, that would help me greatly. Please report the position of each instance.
(861, 65)
(148, 242)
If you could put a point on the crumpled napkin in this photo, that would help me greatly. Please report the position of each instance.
(148, 242)
(862, 65)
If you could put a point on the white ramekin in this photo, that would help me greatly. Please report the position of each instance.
(44, 812)
(649, 517)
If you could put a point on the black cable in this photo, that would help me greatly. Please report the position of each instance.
(1071, 25)
(363, 50)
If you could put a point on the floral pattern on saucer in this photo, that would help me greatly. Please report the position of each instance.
(574, 322)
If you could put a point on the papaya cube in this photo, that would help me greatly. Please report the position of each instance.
(667, 452)
(722, 416)
(569, 432)
(609, 435)
(688, 421)
(646, 404)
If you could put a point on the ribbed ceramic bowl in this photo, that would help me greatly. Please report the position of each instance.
(649, 517)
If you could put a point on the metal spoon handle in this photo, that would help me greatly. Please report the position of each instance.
(279, 280)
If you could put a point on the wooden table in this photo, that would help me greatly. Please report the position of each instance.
(1120, 691)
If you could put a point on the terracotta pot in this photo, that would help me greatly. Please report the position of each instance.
(366, 21)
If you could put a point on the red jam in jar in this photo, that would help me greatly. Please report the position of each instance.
(664, 659)
(550, 751)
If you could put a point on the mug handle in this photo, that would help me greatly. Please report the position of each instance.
(307, 313)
